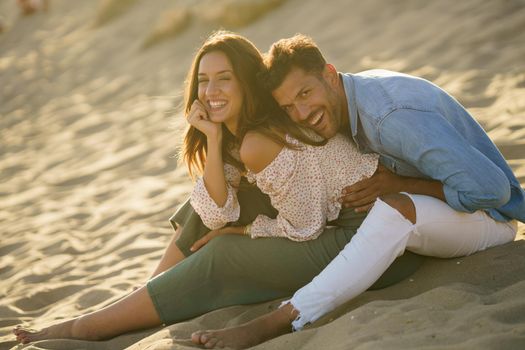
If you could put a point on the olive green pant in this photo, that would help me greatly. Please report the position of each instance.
(235, 269)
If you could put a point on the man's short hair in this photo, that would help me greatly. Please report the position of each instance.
(299, 51)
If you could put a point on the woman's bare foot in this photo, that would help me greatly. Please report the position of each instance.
(76, 328)
(135, 311)
(251, 333)
(59, 331)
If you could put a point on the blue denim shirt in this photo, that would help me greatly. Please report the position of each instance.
(421, 131)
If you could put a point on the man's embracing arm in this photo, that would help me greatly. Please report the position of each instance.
(362, 194)
(462, 176)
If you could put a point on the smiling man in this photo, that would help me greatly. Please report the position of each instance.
(419, 130)
(456, 195)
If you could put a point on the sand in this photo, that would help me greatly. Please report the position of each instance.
(89, 129)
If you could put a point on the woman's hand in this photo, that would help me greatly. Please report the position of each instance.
(198, 117)
(228, 230)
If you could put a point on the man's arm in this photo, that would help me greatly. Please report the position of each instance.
(463, 177)
(426, 140)
(431, 188)
(362, 194)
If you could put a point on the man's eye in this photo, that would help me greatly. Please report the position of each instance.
(225, 78)
(202, 81)
(305, 93)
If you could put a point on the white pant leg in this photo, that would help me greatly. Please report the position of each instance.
(382, 237)
(443, 232)
(439, 231)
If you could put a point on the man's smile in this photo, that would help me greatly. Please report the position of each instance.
(315, 120)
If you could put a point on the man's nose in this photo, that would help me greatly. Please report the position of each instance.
(303, 111)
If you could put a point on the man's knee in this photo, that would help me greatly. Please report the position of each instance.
(403, 204)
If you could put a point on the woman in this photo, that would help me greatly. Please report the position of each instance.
(222, 102)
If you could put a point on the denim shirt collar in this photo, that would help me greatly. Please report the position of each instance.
(349, 87)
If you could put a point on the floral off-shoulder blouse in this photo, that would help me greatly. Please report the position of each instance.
(304, 186)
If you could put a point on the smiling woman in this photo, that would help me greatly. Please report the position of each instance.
(219, 90)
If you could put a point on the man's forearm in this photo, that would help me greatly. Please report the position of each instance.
(363, 194)
(415, 185)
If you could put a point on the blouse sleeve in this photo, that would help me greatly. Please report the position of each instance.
(295, 185)
(213, 216)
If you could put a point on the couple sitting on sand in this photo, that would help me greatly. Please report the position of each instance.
(314, 182)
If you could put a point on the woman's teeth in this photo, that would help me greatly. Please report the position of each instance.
(217, 104)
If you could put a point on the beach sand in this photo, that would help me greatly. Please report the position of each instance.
(89, 130)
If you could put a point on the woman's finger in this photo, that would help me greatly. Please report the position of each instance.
(201, 242)
(198, 109)
(208, 237)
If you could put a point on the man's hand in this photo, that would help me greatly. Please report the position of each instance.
(228, 230)
(363, 194)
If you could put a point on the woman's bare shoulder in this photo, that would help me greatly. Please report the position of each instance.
(258, 151)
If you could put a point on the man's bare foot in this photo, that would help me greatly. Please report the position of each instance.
(240, 337)
(249, 334)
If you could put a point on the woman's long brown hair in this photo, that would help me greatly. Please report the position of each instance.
(259, 111)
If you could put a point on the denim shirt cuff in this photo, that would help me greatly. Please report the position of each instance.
(452, 197)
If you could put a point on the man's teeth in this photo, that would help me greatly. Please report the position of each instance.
(317, 118)
(217, 104)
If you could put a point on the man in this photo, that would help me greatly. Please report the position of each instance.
(464, 194)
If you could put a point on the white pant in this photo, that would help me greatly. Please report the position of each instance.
(439, 231)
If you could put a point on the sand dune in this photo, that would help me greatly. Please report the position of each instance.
(89, 128)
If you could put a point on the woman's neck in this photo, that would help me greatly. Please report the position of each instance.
(232, 127)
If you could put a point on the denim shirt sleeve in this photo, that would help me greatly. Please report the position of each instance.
(427, 141)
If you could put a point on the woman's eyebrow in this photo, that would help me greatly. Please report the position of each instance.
(220, 72)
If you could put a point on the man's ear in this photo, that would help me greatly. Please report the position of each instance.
(330, 74)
